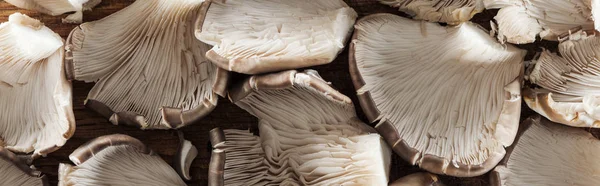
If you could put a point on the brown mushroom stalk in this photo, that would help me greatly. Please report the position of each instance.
(186, 153)
(418, 179)
(13, 171)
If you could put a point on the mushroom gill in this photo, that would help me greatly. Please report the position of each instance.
(13, 171)
(258, 36)
(58, 7)
(446, 98)
(445, 11)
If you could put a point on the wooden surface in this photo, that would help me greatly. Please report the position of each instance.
(226, 115)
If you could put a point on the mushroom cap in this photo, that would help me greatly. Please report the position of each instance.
(258, 36)
(149, 69)
(446, 11)
(418, 179)
(117, 160)
(16, 172)
(568, 89)
(58, 7)
(36, 96)
(309, 135)
(411, 78)
(546, 153)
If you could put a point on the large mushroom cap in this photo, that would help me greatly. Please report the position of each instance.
(446, 98)
(149, 68)
(551, 155)
(257, 36)
(309, 135)
(445, 11)
(35, 95)
(569, 91)
(13, 171)
(117, 160)
(58, 7)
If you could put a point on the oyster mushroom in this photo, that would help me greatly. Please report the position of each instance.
(520, 21)
(309, 135)
(58, 7)
(149, 69)
(186, 153)
(34, 92)
(116, 160)
(13, 171)
(445, 11)
(547, 153)
(446, 98)
(418, 179)
(568, 91)
(258, 36)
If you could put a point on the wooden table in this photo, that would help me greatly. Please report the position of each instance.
(226, 115)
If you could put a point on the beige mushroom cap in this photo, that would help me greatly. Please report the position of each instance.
(58, 7)
(446, 11)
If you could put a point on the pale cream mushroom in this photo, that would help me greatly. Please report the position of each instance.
(549, 154)
(257, 36)
(445, 11)
(309, 135)
(186, 153)
(521, 21)
(117, 160)
(34, 92)
(447, 99)
(418, 179)
(149, 69)
(13, 171)
(568, 91)
(58, 7)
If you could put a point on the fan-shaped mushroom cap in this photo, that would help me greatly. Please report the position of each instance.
(35, 95)
(309, 135)
(446, 98)
(13, 171)
(418, 179)
(520, 21)
(446, 11)
(149, 67)
(58, 7)
(569, 83)
(257, 36)
(117, 160)
(549, 154)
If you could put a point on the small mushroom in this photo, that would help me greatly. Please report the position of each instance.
(149, 69)
(58, 7)
(35, 95)
(446, 11)
(418, 179)
(13, 171)
(258, 36)
(446, 98)
(309, 134)
(186, 153)
(116, 160)
(549, 154)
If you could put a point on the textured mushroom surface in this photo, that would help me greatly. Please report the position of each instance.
(13, 171)
(117, 160)
(418, 179)
(257, 36)
(445, 11)
(309, 135)
(520, 21)
(35, 95)
(550, 154)
(446, 98)
(149, 69)
(58, 7)
(568, 91)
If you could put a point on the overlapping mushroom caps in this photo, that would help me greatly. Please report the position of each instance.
(309, 135)
(35, 95)
(549, 154)
(520, 21)
(445, 11)
(446, 98)
(117, 160)
(149, 69)
(257, 36)
(58, 7)
(13, 171)
(568, 91)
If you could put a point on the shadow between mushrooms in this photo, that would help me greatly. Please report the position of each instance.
(149, 69)
(13, 171)
(309, 135)
(418, 179)
(58, 7)
(446, 11)
(549, 154)
(258, 36)
(116, 160)
(35, 95)
(446, 98)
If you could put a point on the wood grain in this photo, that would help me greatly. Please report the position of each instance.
(226, 115)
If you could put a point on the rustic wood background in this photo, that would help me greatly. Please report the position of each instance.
(226, 115)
